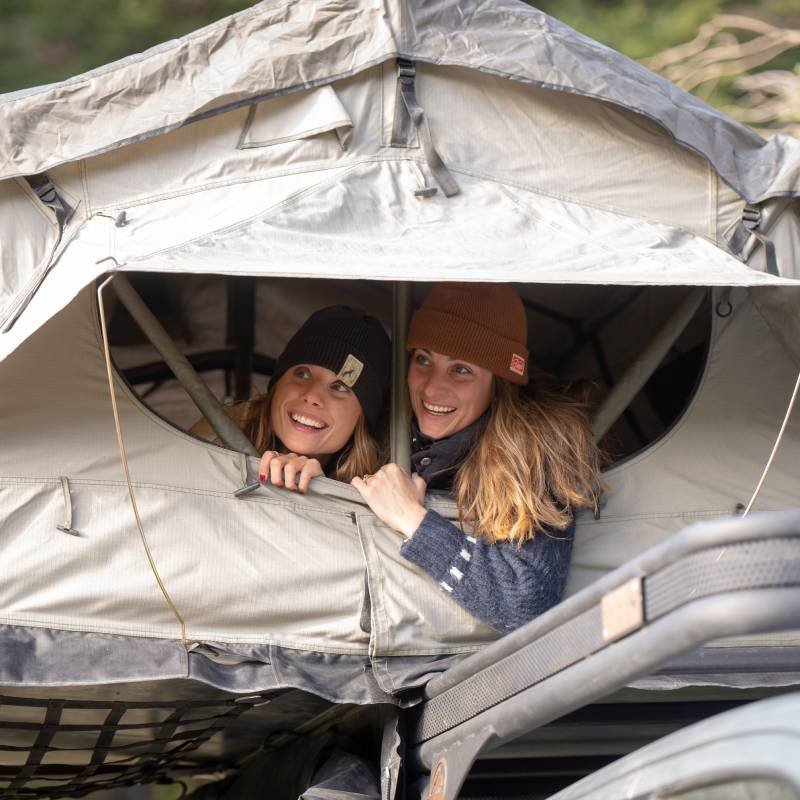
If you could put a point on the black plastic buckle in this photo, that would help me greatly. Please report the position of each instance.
(406, 68)
(751, 217)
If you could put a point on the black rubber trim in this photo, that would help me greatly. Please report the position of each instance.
(555, 651)
(745, 565)
(765, 563)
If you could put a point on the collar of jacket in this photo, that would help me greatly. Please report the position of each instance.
(437, 460)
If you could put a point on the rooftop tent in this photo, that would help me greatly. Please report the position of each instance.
(366, 142)
(294, 112)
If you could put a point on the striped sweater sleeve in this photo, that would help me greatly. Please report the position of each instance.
(501, 584)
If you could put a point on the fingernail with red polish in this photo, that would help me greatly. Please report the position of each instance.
(262, 477)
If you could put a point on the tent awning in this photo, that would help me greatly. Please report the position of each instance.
(366, 223)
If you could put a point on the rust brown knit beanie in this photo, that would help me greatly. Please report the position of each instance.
(483, 323)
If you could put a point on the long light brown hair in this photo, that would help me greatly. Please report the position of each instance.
(533, 465)
(360, 456)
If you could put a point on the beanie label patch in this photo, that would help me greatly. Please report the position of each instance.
(517, 364)
(351, 371)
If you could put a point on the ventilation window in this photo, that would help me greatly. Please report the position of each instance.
(300, 115)
(596, 335)
(233, 328)
(230, 328)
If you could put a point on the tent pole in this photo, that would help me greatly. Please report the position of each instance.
(642, 369)
(400, 433)
(240, 334)
(227, 430)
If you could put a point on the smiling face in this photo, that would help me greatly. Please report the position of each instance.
(312, 412)
(447, 394)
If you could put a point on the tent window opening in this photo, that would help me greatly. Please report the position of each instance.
(232, 328)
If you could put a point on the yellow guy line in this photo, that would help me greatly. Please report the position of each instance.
(775, 448)
(124, 460)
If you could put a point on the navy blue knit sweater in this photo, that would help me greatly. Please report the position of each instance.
(500, 583)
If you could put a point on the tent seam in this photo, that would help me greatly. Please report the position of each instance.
(265, 213)
(289, 644)
(312, 166)
(581, 203)
(12, 480)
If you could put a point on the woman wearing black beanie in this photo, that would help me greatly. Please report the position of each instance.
(324, 401)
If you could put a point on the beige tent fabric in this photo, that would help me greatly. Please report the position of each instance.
(273, 49)
(300, 115)
(366, 223)
(712, 458)
(29, 234)
(261, 51)
(780, 311)
(346, 225)
(274, 568)
(556, 186)
(550, 145)
(239, 571)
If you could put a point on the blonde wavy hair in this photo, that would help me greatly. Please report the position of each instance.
(362, 455)
(533, 465)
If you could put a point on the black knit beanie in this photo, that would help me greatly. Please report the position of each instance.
(350, 343)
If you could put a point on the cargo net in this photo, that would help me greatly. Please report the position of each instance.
(68, 748)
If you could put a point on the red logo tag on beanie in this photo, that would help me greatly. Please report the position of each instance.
(517, 364)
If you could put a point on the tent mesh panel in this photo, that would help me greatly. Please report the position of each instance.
(68, 748)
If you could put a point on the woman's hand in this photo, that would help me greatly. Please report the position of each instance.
(282, 469)
(395, 497)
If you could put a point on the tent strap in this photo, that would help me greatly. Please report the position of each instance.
(66, 526)
(47, 193)
(411, 110)
(751, 225)
(400, 433)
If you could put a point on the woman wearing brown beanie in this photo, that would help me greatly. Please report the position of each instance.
(519, 463)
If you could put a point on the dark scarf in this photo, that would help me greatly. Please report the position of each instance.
(436, 461)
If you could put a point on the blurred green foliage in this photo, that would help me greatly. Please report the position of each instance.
(638, 28)
(50, 40)
(642, 28)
